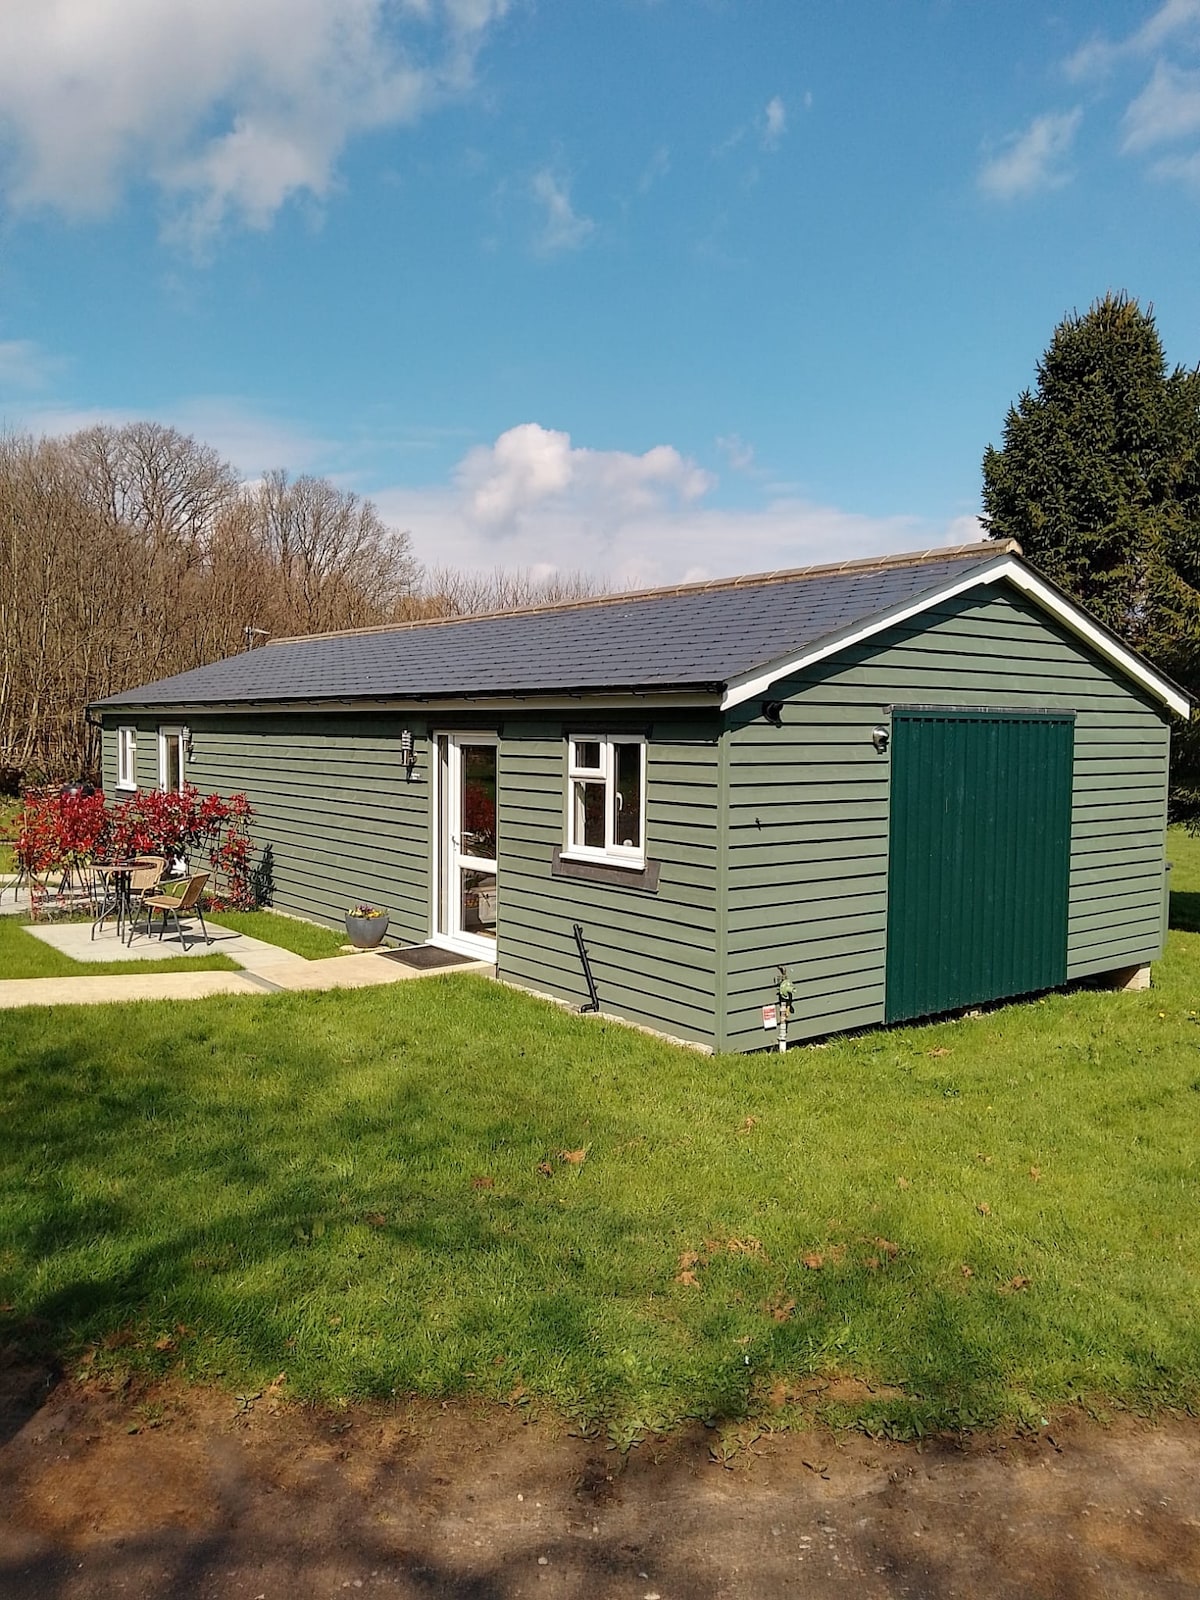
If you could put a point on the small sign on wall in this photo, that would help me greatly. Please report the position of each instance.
(770, 1019)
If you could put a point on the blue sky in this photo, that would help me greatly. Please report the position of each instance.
(653, 288)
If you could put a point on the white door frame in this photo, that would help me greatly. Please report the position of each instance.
(448, 858)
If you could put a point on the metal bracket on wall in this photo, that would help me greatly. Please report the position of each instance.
(594, 1003)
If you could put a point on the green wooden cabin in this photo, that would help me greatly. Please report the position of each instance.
(916, 784)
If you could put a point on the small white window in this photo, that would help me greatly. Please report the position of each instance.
(126, 758)
(606, 799)
(171, 759)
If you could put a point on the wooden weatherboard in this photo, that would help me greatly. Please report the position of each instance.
(979, 857)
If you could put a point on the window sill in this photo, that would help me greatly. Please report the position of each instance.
(125, 788)
(642, 878)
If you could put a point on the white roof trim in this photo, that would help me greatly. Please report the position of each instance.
(757, 682)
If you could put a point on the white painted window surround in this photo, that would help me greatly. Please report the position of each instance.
(172, 759)
(606, 799)
(126, 758)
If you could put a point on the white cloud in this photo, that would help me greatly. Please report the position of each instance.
(530, 469)
(563, 228)
(1173, 19)
(1034, 159)
(252, 440)
(25, 365)
(1167, 109)
(774, 123)
(657, 167)
(1179, 169)
(736, 451)
(535, 501)
(229, 107)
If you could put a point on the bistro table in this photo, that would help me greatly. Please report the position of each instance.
(118, 898)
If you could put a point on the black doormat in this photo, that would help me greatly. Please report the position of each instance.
(427, 956)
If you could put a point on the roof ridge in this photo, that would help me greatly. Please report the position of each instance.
(910, 558)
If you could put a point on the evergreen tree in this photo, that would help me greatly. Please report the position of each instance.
(1099, 480)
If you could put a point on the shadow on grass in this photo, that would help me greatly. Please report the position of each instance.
(181, 1200)
(1185, 911)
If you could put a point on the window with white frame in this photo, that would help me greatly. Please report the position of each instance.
(606, 798)
(126, 758)
(171, 758)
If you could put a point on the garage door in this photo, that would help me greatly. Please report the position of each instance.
(979, 860)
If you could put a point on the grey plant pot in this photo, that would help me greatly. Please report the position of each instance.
(366, 933)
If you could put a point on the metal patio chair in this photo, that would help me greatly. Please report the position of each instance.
(183, 900)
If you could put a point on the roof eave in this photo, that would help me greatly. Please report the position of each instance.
(703, 692)
(1005, 567)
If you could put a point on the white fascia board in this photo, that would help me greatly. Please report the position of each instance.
(748, 685)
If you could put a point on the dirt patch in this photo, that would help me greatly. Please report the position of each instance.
(166, 1491)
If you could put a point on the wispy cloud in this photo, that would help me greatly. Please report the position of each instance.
(655, 169)
(24, 365)
(736, 451)
(1034, 158)
(1167, 109)
(1172, 20)
(774, 123)
(562, 228)
(228, 109)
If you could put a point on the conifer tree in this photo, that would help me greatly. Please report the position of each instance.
(1099, 480)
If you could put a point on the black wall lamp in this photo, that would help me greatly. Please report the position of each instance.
(881, 738)
(772, 710)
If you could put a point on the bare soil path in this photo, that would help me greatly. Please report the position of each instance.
(141, 1492)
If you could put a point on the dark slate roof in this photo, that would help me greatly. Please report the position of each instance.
(697, 636)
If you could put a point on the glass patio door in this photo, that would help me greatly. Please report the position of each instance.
(467, 900)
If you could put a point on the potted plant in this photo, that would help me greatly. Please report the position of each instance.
(366, 926)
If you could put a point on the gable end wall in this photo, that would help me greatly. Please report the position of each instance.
(809, 817)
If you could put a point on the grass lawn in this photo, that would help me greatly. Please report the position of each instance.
(10, 812)
(23, 956)
(289, 933)
(983, 1218)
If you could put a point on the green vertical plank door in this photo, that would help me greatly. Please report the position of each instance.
(979, 858)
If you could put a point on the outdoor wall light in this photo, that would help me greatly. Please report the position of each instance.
(881, 738)
(772, 710)
(185, 739)
(408, 752)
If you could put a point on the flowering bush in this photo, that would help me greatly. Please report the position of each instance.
(68, 829)
(365, 911)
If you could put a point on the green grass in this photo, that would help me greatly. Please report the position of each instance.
(23, 956)
(346, 1188)
(1183, 852)
(10, 812)
(289, 933)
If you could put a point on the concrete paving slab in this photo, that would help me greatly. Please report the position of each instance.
(74, 939)
(84, 991)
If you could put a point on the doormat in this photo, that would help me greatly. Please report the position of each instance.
(427, 956)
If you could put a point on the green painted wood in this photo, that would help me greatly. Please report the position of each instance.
(979, 866)
(988, 649)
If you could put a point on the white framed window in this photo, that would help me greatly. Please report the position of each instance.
(172, 759)
(606, 798)
(126, 758)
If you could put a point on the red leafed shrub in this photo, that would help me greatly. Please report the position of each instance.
(61, 830)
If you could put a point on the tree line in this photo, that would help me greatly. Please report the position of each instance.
(131, 553)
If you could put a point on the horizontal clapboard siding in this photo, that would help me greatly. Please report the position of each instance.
(653, 955)
(332, 805)
(809, 807)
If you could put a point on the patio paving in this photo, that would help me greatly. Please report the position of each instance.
(74, 939)
(265, 967)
